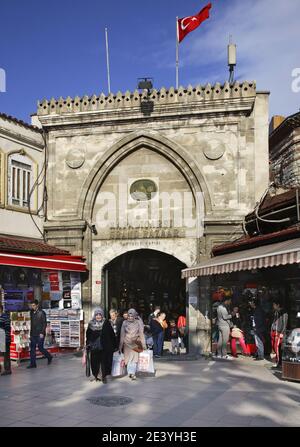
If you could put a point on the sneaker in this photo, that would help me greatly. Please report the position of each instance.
(257, 359)
(5, 373)
(133, 377)
(227, 357)
(31, 366)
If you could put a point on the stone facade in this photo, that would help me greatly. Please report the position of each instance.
(285, 152)
(22, 150)
(208, 141)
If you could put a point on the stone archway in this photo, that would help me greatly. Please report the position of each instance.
(144, 278)
(165, 147)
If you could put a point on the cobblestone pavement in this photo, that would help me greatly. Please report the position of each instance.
(200, 393)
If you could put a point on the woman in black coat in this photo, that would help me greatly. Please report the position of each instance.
(101, 342)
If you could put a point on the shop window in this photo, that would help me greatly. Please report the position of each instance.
(20, 180)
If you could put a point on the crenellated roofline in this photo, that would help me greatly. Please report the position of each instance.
(132, 100)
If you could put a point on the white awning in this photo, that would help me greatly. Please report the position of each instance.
(272, 255)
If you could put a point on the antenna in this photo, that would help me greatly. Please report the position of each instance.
(231, 59)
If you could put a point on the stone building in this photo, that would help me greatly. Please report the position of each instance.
(143, 184)
(285, 151)
(21, 162)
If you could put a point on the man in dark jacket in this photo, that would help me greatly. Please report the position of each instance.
(116, 323)
(38, 323)
(258, 327)
(5, 325)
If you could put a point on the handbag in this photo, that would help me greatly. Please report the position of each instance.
(236, 333)
(137, 346)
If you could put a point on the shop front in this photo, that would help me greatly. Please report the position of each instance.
(54, 279)
(266, 272)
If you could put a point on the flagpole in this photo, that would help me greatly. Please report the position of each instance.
(107, 61)
(177, 55)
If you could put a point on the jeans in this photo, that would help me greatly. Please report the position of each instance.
(131, 367)
(36, 340)
(158, 343)
(224, 332)
(260, 346)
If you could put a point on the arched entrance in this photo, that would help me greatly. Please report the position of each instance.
(144, 278)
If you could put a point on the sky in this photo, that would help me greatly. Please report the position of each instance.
(53, 48)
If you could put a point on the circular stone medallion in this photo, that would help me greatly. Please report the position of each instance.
(213, 149)
(75, 158)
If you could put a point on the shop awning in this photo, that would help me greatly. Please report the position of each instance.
(272, 255)
(49, 262)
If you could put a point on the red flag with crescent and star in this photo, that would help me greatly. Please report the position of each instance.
(188, 24)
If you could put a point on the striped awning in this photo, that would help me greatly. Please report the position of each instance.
(273, 255)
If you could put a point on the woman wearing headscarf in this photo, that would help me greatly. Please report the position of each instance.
(101, 342)
(132, 337)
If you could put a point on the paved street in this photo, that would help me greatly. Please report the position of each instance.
(183, 394)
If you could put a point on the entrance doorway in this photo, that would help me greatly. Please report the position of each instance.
(144, 278)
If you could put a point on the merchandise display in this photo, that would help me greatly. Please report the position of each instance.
(291, 355)
(65, 326)
(20, 337)
(291, 346)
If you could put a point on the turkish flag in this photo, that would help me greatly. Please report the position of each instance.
(188, 24)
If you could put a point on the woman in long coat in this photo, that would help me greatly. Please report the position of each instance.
(101, 342)
(132, 335)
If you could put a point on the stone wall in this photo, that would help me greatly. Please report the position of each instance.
(285, 160)
(209, 140)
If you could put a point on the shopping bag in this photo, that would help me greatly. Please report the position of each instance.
(145, 362)
(83, 359)
(118, 365)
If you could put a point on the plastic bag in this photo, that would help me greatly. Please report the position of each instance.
(145, 362)
(83, 360)
(118, 366)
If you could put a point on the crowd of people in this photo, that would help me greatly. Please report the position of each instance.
(130, 335)
(249, 324)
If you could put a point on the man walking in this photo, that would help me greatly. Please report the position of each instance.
(38, 323)
(258, 327)
(116, 323)
(5, 326)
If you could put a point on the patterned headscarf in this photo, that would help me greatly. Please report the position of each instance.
(98, 311)
(94, 324)
(132, 313)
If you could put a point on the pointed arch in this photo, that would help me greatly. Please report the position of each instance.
(172, 151)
